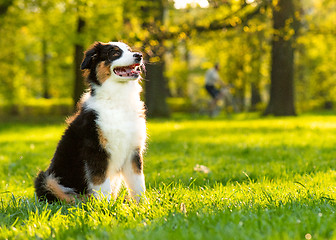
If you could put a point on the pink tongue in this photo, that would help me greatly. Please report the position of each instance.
(124, 71)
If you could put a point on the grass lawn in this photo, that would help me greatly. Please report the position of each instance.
(264, 178)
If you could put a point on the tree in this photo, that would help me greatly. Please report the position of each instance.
(9, 58)
(44, 63)
(4, 5)
(45, 7)
(155, 82)
(43, 41)
(78, 56)
(281, 101)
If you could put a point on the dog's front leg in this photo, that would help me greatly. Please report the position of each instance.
(102, 190)
(134, 177)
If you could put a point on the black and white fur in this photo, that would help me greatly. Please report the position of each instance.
(104, 142)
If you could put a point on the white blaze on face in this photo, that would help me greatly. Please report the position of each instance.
(126, 67)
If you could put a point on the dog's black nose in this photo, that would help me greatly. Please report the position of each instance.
(138, 56)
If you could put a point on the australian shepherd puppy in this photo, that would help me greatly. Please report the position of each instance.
(104, 141)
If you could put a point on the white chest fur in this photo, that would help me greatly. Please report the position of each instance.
(120, 118)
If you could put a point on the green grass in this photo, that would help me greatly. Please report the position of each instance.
(270, 178)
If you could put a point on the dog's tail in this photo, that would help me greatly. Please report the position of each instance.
(47, 187)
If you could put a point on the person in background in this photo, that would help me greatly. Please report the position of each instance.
(212, 80)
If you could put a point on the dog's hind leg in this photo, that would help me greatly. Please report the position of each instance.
(48, 187)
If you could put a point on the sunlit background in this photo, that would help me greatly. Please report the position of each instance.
(193, 3)
(42, 46)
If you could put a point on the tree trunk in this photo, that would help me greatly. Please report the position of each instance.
(78, 56)
(45, 77)
(281, 101)
(156, 91)
(257, 50)
(255, 95)
(4, 5)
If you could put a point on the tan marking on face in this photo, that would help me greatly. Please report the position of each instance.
(54, 187)
(103, 72)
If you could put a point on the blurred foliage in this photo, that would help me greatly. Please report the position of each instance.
(39, 107)
(234, 33)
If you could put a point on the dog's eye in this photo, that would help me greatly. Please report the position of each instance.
(113, 54)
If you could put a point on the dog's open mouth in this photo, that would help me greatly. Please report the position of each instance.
(128, 71)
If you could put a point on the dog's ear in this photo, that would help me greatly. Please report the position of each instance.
(87, 61)
(89, 56)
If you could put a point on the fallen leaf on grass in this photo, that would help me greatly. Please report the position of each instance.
(201, 168)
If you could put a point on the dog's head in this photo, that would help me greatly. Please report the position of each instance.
(113, 61)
